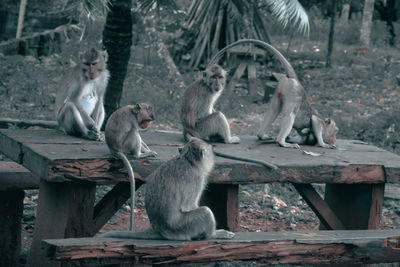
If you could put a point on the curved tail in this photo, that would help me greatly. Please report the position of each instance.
(289, 69)
(131, 174)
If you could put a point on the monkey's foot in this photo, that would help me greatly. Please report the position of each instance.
(264, 137)
(234, 140)
(223, 234)
(151, 153)
(284, 144)
(328, 146)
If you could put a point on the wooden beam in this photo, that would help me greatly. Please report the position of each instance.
(308, 247)
(324, 213)
(110, 204)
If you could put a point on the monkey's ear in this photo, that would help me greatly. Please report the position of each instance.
(105, 55)
(136, 109)
(202, 151)
(327, 121)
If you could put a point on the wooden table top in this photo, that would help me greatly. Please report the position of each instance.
(55, 156)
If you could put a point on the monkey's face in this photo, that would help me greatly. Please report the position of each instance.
(215, 78)
(93, 62)
(144, 114)
(329, 132)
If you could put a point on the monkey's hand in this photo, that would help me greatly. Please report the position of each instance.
(328, 146)
(234, 140)
(223, 234)
(95, 134)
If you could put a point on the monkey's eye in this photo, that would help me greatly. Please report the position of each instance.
(86, 64)
(220, 77)
(94, 64)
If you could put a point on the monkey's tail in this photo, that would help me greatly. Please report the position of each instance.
(261, 162)
(145, 234)
(131, 174)
(288, 67)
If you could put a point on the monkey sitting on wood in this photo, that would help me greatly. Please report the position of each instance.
(199, 119)
(122, 136)
(80, 108)
(172, 198)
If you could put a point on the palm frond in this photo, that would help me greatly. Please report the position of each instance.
(290, 11)
(146, 5)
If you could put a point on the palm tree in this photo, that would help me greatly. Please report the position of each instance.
(117, 39)
(214, 24)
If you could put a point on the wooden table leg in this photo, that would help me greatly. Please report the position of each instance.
(11, 209)
(358, 206)
(64, 210)
(223, 200)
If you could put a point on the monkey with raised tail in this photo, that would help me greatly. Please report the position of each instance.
(172, 198)
(291, 102)
(80, 107)
(199, 119)
(123, 137)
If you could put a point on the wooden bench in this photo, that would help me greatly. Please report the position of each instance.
(306, 247)
(14, 179)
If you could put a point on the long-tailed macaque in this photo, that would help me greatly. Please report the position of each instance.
(199, 119)
(122, 136)
(80, 108)
(291, 102)
(172, 198)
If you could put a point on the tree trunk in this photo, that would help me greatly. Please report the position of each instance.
(117, 39)
(365, 33)
(21, 15)
(331, 35)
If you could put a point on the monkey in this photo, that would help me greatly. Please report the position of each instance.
(80, 108)
(172, 198)
(291, 102)
(122, 136)
(199, 119)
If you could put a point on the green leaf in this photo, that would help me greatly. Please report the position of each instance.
(287, 11)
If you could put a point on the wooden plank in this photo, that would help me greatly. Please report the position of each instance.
(324, 213)
(14, 176)
(362, 201)
(308, 247)
(57, 157)
(11, 208)
(64, 210)
(224, 203)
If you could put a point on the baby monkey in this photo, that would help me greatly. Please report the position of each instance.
(122, 136)
(199, 119)
(80, 107)
(172, 198)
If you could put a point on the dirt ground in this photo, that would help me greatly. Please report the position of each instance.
(361, 92)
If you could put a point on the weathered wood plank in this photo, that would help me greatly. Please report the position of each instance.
(308, 247)
(57, 157)
(64, 210)
(14, 176)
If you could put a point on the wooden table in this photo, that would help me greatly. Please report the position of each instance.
(70, 168)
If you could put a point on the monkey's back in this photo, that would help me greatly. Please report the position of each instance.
(121, 119)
